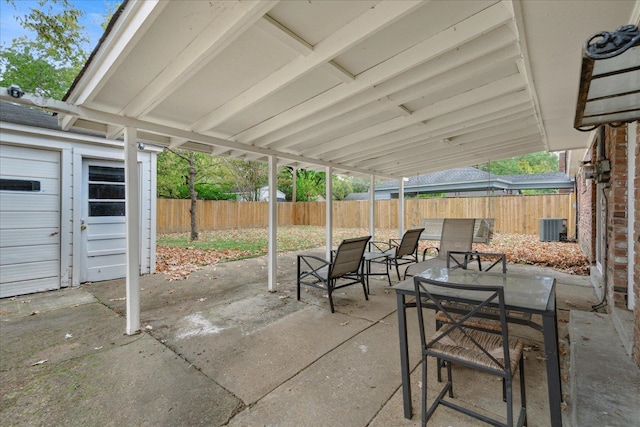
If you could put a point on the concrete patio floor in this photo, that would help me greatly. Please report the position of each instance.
(219, 349)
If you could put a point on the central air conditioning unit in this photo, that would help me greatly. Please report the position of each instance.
(553, 229)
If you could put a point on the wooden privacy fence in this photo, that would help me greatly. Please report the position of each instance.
(513, 214)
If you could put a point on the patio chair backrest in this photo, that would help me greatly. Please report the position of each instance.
(409, 243)
(440, 294)
(457, 235)
(348, 257)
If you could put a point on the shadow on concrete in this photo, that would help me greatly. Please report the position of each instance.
(219, 349)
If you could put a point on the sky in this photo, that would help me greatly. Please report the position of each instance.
(94, 11)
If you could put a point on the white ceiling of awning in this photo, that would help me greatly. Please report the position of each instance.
(391, 88)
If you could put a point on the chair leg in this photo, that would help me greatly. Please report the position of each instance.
(440, 363)
(366, 292)
(424, 390)
(386, 265)
(397, 269)
(509, 389)
(449, 379)
(330, 298)
(298, 281)
(523, 397)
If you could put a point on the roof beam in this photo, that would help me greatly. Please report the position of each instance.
(385, 98)
(398, 148)
(90, 114)
(288, 38)
(403, 139)
(236, 18)
(442, 127)
(136, 18)
(474, 155)
(490, 91)
(430, 149)
(454, 37)
(377, 18)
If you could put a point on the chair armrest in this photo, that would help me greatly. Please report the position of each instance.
(499, 259)
(312, 262)
(377, 246)
(424, 253)
(457, 259)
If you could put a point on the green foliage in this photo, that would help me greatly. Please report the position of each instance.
(309, 185)
(205, 192)
(540, 162)
(430, 195)
(111, 9)
(245, 177)
(344, 185)
(48, 63)
(173, 177)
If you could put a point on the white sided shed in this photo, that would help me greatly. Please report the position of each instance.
(62, 205)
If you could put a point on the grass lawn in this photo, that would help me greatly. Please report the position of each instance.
(177, 256)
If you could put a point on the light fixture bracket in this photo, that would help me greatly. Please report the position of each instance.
(609, 91)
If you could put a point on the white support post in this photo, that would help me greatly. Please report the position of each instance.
(294, 183)
(273, 224)
(132, 229)
(329, 210)
(401, 208)
(372, 207)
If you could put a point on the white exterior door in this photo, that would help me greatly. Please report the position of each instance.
(29, 220)
(103, 221)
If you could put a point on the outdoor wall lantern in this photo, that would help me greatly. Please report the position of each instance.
(609, 90)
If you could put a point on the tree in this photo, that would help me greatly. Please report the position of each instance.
(247, 176)
(309, 185)
(48, 63)
(190, 159)
(540, 162)
(345, 185)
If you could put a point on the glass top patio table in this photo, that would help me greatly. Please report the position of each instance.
(529, 292)
(523, 293)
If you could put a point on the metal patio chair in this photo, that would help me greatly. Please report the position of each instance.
(344, 269)
(399, 251)
(457, 236)
(456, 342)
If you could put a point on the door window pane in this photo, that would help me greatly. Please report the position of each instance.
(106, 174)
(106, 209)
(106, 191)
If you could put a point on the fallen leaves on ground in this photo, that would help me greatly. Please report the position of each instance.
(178, 262)
(527, 249)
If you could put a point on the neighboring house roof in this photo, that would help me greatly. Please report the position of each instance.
(472, 179)
(21, 115)
(357, 196)
(13, 113)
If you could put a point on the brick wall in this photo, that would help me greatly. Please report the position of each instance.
(636, 239)
(586, 202)
(562, 167)
(617, 216)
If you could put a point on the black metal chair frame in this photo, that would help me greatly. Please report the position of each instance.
(399, 251)
(345, 265)
(491, 296)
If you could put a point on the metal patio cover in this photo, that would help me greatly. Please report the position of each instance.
(385, 88)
